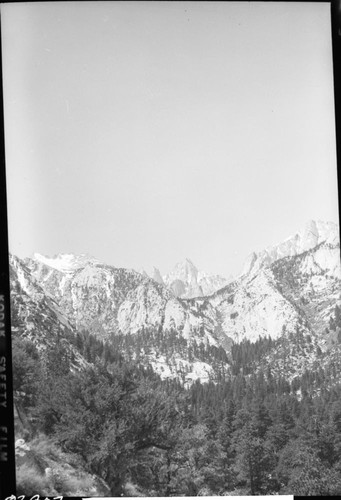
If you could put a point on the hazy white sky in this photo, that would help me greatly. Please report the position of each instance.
(145, 132)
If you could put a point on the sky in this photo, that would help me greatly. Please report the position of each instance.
(142, 133)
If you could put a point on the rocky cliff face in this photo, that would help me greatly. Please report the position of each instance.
(36, 315)
(313, 234)
(186, 281)
(291, 287)
(108, 300)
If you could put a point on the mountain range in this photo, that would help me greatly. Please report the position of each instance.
(183, 384)
(288, 291)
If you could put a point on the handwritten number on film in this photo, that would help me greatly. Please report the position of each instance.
(35, 497)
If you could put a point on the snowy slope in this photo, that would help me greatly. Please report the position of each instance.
(66, 263)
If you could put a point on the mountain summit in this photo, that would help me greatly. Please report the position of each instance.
(314, 233)
(291, 287)
(66, 262)
(171, 373)
(186, 281)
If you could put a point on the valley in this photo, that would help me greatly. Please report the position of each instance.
(223, 360)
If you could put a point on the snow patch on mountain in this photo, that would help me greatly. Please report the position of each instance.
(66, 263)
(177, 366)
(289, 288)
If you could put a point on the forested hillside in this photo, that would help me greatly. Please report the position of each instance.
(253, 433)
(122, 387)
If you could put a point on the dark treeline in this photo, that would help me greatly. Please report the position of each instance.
(136, 347)
(249, 433)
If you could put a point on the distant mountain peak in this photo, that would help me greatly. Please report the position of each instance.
(312, 234)
(187, 281)
(287, 298)
(157, 276)
(184, 271)
(65, 262)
